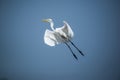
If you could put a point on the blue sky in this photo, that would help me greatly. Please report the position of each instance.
(24, 56)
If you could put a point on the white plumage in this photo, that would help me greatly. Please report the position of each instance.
(56, 36)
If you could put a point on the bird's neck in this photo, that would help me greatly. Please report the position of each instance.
(52, 26)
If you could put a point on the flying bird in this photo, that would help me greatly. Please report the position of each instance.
(56, 36)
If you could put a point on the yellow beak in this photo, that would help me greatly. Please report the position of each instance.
(45, 20)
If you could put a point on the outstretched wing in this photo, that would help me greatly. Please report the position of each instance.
(66, 30)
(51, 38)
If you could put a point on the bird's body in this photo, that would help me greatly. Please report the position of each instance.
(56, 36)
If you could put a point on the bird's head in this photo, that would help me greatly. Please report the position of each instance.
(47, 20)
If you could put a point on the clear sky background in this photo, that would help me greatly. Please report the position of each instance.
(24, 56)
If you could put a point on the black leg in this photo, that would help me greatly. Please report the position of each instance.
(76, 48)
(71, 51)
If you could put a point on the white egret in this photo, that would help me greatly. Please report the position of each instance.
(56, 36)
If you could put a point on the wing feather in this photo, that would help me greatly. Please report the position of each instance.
(65, 30)
(68, 29)
(51, 38)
